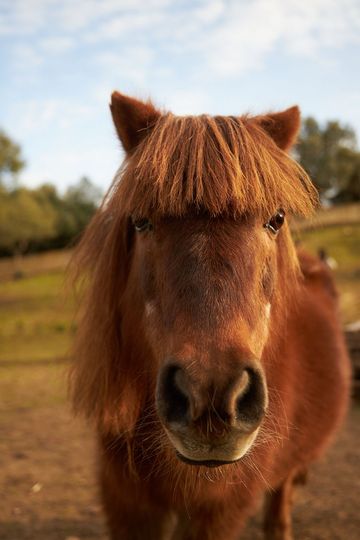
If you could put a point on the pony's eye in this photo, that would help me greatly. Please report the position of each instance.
(142, 224)
(276, 221)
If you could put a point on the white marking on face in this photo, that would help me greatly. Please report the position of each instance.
(149, 308)
(260, 334)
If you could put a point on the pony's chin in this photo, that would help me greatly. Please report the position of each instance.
(206, 462)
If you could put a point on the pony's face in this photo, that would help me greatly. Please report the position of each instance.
(201, 283)
(206, 287)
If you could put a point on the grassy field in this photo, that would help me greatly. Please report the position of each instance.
(35, 318)
(342, 244)
(348, 214)
(32, 265)
(47, 482)
(47, 479)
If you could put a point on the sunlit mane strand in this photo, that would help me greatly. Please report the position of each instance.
(218, 164)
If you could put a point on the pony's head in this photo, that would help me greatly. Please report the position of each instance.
(190, 267)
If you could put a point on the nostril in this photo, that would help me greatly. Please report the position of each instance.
(172, 400)
(250, 401)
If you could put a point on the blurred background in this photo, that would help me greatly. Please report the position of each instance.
(59, 62)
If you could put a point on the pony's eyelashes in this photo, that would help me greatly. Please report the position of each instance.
(275, 222)
(142, 224)
(273, 225)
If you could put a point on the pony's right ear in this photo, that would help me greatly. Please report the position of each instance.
(132, 119)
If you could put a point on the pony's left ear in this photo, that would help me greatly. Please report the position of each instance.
(282, 127)
(132, 119)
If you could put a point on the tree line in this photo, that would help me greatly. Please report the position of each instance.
(41, 218)
(330, 156)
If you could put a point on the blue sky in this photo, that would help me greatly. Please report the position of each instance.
(60, 60)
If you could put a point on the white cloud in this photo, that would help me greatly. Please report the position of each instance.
(223, 37)
(133, 63)
(209, 11)
(57, 44)
(188, 102)
(26, 58)
(249, 31)
(38, 115)
(123, 24)
(99, 164)
(22, 17)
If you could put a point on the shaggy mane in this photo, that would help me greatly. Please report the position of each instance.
(218, 164)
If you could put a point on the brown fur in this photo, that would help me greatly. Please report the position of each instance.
(208, 184)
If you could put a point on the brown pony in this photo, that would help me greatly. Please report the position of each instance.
(209, 352)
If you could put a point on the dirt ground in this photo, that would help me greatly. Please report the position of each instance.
(48, 488)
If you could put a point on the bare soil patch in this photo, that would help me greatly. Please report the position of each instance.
(48, 482)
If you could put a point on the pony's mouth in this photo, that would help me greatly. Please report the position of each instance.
(207, 455)
(206, 462)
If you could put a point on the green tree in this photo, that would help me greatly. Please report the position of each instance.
(11, 161)
(84, 192)
(65, 221)
(73, 210)
(350, 190)
(328, 154)
(24, 219)
(81, 201)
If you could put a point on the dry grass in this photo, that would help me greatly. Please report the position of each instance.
(342, 245)
(343, 215)
(36, 317)
(31, 265)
